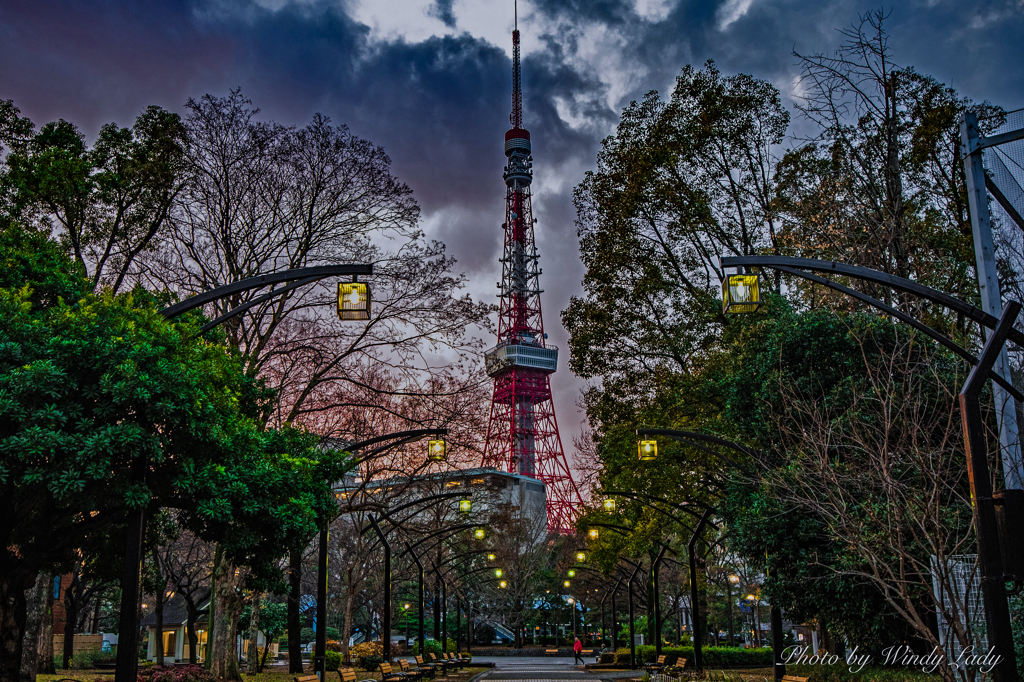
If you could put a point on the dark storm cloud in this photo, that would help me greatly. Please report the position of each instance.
(440, 105)
(442, 9)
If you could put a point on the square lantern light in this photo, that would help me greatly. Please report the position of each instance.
(571, 573)
(353, 300)
(503, 584)
(465, 506)
(480, 533)
(593, 534)
(436, 450)
(566, 584)
(741, 293)
(581, 557)
(491, 557)
(609, 504)
(498, 573)
(648, 450)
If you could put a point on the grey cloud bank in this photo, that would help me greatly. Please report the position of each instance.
(430, 81)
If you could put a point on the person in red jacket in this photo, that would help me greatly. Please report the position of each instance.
(577, 648)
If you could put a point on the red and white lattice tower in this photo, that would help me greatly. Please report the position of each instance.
(522, 435)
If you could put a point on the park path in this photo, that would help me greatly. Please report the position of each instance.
(527, 669)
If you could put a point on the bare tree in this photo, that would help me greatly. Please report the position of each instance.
(886, 477)
(259, 197)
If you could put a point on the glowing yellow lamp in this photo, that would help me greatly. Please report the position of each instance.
(741, 293)
(497, 573)
(648, 450)
(593, 534)
(581, 557)
(465, 506)
(609, 505)
(566, 583)
(491, 557)
(479, 533)
(436, 450)
(503, 584)
(571, 573)
(353, 300)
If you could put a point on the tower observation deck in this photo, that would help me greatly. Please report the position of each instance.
(522, 435)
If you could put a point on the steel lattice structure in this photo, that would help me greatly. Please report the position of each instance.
(522, 436)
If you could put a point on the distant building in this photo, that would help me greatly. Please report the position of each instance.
(175, 639)
(490, 487)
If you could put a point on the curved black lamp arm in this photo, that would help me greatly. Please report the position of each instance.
(397, 524)
(452, 530)
(400, 438)
(681, 507)
(311, 274)
(889, 310)
(869, 275)
(685, 436)
(255, 302)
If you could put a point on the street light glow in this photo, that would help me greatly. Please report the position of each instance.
(609, 505)
(479, 533)
(572, 573)
(593, 534)
(436, 450)
(648, 450)
(465, 506)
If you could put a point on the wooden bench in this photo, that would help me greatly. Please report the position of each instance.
(651, 667)
(413, 673)
(389, 675)
(421, 668)
(587, 652)
(434, 667)
(551, 652)
(444, 664)
(308, 678)
(346, 675)
(456, 661)
(793, 678)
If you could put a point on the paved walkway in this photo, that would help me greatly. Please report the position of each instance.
(530, 669)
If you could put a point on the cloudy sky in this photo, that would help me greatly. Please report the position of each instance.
(430, 81)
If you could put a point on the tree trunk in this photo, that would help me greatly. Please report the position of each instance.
(191, 616)
(12, 622)
(97, 604)
(294, 613)
(35, 610)
(252, 653)
(45, 654)
(228, 605)
(71, 596)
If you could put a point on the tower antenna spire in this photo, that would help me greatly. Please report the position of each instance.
(517, 77)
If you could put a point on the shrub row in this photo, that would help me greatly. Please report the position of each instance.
(714, 656)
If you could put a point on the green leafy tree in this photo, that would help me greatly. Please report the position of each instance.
(109, 202)
(106, 408)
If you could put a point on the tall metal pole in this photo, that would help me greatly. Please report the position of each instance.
(990, 563)
(320, 656)
(444, 615)
(385, 634)
(657, 600)
(632, 637)
(991, 300)
(127, 669)
(698, 654)
(419, 567)
(728, 610)
(777, 644)
(615, 617)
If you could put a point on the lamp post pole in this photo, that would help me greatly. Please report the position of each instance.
(419, 610)
(632, 636)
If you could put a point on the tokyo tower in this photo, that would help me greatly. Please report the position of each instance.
(522, 435)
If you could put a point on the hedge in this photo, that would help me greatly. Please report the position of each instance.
(714, 656)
